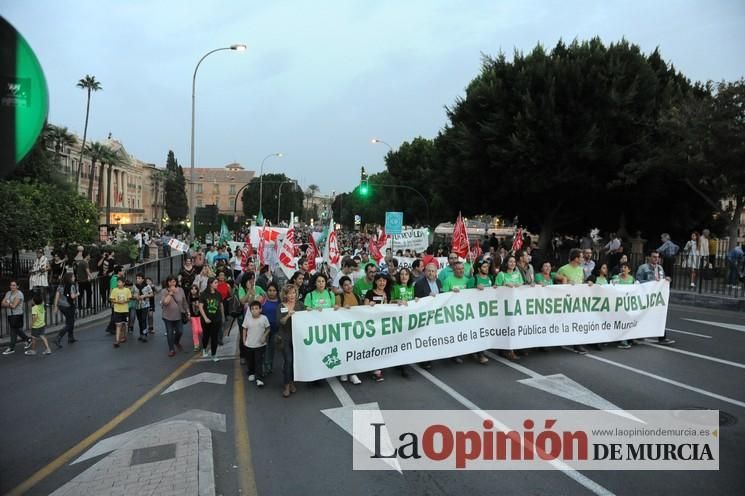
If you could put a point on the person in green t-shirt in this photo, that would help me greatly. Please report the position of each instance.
(403, 290)
(457, 281)
(601, 275)
(450, 269)
(38, 322)
(320, 297)
(625, 276)
(572, 272)
(545, 277)
(481, 279)
(509, 275)
(365, 284)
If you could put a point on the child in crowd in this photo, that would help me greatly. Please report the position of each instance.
(120, 297)
(255, 332)
(38, 322)
(196, 318)
(151, 308)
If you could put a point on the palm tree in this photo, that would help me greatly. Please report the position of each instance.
(60, 138)
(89, 84)
(97, 152)
(110, 158)
(311, 192)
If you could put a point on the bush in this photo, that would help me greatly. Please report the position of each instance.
(125, 252)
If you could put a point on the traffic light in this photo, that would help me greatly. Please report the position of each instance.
(364, 187)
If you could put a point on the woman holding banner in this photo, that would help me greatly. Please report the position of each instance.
(379, 295)
(286, 309)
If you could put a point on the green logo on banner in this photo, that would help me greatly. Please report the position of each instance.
(332, 359)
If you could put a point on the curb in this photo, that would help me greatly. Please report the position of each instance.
(708, 301)
(56, 328)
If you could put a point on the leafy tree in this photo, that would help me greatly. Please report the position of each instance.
(291, 200)
(60, 138)
(89, 84)
(177, 205)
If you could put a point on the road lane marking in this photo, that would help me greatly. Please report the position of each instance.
(564, 387)
(669, 381)
(76, 450)
(697, 355)
(689, 333)
(210, 377)
(724, 325)
(578, 477)
(343, 416)
(246, 475)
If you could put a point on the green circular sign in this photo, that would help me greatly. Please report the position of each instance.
(24, 98)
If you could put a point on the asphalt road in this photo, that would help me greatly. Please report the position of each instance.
(89, 391)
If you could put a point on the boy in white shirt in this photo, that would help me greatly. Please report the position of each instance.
(254, 336)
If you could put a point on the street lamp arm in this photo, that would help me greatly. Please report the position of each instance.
(194, 77)
(238, 194)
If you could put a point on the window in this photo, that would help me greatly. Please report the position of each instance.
(199, 187)
(232, 189)
(216, 188)
(217, 203)
(199, 202)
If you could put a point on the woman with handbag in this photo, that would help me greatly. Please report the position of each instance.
(175, 314)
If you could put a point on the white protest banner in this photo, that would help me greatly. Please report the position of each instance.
(178, 245)
(409, 239)
(335, 342)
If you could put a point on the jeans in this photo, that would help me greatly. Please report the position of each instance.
(209, 335)
(85, 289)
(288, 370)
(141, 314)
(174, 330)
(269, 354)
(255, 362)
(69, 313)
(733, 273)
(15, 323)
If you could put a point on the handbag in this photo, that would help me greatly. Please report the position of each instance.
(235, 307)
(184, 318)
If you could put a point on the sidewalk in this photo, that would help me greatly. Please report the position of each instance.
(707, 300)
(102, 316)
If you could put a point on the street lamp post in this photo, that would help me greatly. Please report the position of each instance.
(376, 141)
(239, 47)
(261, 178)
(279, 197)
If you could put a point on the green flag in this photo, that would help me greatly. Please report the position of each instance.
(224, 233)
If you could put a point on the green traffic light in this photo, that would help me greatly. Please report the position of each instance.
(364, 189)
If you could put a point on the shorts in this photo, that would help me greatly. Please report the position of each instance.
(38, 332)
(121, 318)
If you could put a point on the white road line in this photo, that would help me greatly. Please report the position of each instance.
(689, 333)
(578, 477)
(341, 394)
(697, 355)
(724, 325)
(669, 381)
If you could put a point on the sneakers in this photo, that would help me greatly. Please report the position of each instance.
(196, 348)
(378, 376)
(29, 352)
(28, 344)
(205, 353)
(623, 345)
(259, 383)
(666, 342)
(9, 351)
(458, 360)
(47, 352)
(171, 353)
(483, 360)
(251, 378)
(354, 379)
(215, 359)
(343, 378)
(580, 349)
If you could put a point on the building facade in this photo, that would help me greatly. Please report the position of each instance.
(220, 187)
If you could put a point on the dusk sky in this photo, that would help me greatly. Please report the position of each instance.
(321, 78)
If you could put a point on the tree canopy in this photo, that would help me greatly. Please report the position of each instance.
(291, 201)
(177, 204)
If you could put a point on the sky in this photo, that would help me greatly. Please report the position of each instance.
(320, 78)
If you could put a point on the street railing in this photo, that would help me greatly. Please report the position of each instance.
(94, 301)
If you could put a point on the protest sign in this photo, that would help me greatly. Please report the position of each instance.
(364, 338)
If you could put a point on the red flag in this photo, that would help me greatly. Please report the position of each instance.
(517, 243)
(269, 234)
(374, 251)
(287, 253)
(334, 257)
(476, 251)
(460, 243)
(312, 253)
(247, 252)
(382, 239)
